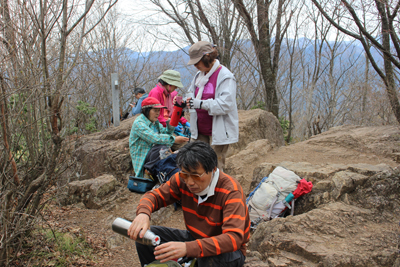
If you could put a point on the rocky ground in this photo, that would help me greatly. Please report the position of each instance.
(351, 218)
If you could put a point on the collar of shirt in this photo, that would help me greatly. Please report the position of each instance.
(211, 190)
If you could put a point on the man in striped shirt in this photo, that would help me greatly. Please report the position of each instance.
(214, 209)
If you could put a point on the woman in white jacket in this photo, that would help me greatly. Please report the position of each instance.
(213, 110)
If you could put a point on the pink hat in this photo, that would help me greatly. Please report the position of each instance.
(151, 102)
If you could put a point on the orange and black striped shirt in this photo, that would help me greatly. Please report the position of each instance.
(221, 224)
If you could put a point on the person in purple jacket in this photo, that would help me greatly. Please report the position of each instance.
(213, 111)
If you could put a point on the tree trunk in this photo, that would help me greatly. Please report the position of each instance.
(389, 82)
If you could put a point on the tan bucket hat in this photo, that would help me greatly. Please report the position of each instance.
(198, 50)
(172, 77)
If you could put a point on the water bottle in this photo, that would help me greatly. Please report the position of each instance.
(176, 115)
(121, 227)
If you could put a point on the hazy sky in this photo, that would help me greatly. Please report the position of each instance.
(138, 10)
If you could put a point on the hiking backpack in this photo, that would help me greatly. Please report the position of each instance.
(275, 194)
(164, 168)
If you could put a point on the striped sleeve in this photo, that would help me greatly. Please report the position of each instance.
(163, 196)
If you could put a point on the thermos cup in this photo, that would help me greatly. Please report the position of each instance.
(121, 227)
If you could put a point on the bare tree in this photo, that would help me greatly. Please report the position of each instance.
(290, 70)
(38, 55)
(266, 37)
(216, 21)
(384, 16)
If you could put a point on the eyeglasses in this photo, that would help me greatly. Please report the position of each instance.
(186, 176)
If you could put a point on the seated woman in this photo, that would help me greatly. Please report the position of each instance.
(147, 131)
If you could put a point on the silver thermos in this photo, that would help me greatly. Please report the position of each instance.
(121, 227)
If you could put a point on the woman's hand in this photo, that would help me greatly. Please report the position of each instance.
(188, 101)
(140, 224)
(174, 100)
(181, 139)
(132, 105)
(170, 251)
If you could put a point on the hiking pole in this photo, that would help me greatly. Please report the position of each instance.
(121, 227)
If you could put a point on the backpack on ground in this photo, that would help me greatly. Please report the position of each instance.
(164, 168)
(159, 166)
(275, 194)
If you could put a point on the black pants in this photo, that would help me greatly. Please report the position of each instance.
(146, 253)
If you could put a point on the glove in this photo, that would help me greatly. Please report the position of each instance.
(188, 124)
(195, 103)
(179, 128)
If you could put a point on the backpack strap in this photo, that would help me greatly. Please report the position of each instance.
(271, 207)
(292, 210)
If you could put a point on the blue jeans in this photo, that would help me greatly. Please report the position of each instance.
(166, 234)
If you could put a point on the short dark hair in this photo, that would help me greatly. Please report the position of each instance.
(139, 91)
(146, 111)
(209, 58)
(162, 82)
(195, 153)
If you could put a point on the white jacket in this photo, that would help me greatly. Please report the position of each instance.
(223, 109)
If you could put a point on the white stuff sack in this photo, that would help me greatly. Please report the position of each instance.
(255, 213)
(280, 180)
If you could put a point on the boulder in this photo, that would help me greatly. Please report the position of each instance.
(92, 192)
(333, 235)
(254, 125)
(346, 222)
(345, 182)
(100, 153)
(242, 164)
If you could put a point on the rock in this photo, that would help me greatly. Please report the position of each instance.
(254, 125)
(115, 240)
(255, 262)
(368, 169)
(335, 234)
(91, 192)
(322, 186)
(345, 182)
(103, 152)
(242, 164)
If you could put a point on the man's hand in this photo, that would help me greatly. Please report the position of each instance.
(181, 139)
(170, 251)
(132, 105)
(140, 224)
